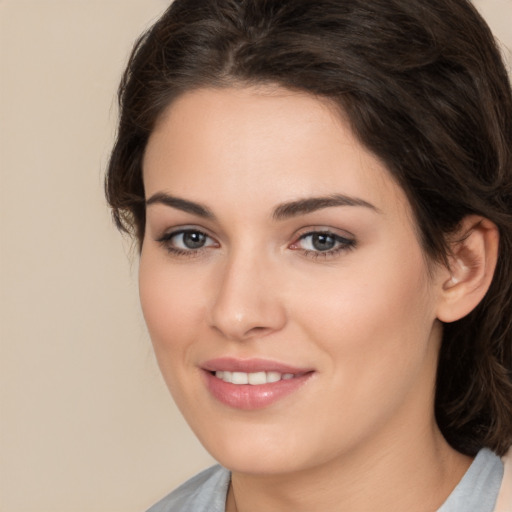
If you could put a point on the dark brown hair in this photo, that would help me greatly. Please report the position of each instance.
(425, 89)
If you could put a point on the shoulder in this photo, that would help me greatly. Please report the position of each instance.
(205, 492)
(504, 503)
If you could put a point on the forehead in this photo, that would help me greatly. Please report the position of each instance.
(268, 143)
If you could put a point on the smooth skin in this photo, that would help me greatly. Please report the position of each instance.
(237, 261)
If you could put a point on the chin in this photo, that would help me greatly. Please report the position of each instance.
(261, 450)
(256, 462)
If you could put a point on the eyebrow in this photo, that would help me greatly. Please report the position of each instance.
(180, 204)
(281, 212)
(312, 204)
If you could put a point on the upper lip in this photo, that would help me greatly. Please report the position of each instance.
(232, 364)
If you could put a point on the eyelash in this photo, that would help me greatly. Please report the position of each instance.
(166, 242)
(342, 244)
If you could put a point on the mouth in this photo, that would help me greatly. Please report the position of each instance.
(252, 384)
(254, 378)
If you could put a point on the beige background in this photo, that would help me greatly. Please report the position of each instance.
(86, 424)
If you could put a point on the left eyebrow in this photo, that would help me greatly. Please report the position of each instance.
(312, 204)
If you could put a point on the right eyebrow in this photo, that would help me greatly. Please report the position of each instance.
(180, 204)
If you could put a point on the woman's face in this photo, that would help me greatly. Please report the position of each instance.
(282, 255)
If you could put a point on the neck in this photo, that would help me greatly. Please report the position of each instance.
(409, 475)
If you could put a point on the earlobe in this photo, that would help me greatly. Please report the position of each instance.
(474, 253)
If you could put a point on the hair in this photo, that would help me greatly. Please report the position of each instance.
(424, 87)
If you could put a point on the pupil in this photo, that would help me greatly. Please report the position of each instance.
(194, 239)
(323, 242)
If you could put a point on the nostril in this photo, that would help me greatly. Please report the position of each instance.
(239, 313)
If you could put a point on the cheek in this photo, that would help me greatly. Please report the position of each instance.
(170, 302)
(374, 335)
(374, 318)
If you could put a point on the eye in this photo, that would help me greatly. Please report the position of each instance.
(319, 242)
(189, 240)
(322, 243)
(186, 241)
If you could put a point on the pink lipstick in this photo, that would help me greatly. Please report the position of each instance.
(252, 383)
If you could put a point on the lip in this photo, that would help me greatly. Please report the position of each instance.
(246, 396)
(232, 364)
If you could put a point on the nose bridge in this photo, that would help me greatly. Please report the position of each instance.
(247, 301)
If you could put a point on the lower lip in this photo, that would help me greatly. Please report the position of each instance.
(249, 397)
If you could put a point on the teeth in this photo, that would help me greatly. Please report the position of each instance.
(254, 379)
(257, 378)
(239, 378)
(273, 376)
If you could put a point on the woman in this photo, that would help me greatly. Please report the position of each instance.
(322, 196)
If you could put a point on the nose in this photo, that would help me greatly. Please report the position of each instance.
(247, 300)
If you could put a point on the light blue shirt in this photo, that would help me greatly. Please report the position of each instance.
(476, 492)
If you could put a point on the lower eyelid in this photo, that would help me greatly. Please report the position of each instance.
(343, 240)
(342, 243)
(175, 248)
(171, 234)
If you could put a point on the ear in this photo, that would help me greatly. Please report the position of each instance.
(474, 253)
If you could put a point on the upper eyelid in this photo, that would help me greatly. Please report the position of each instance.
(298, 234)
(173, 248)
(173, 233)
(311, 230)
(159, 222)
(325, 232)
(339, 238)
(165, 239)
(176, 230)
